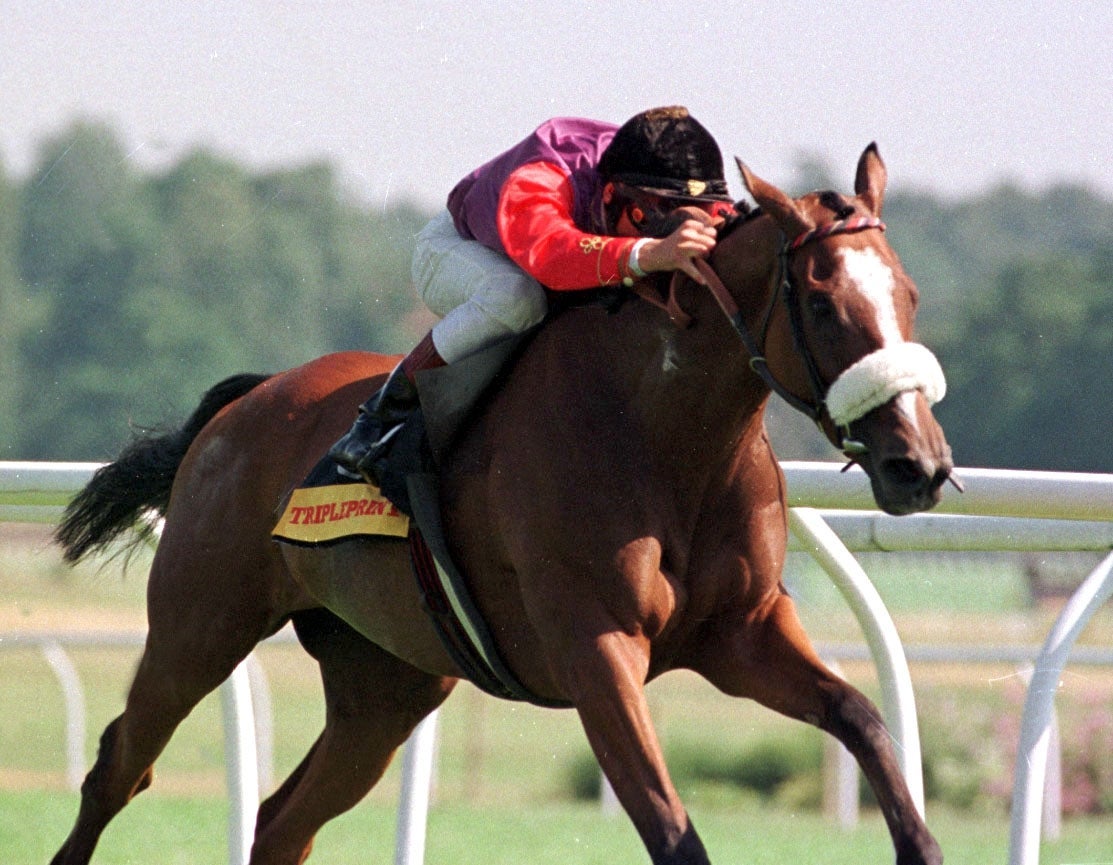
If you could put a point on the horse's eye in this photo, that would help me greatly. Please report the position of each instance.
(821, 306)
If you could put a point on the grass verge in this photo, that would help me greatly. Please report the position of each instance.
(179, 831)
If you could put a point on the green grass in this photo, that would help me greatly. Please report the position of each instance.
(174, 831)
(502, 789)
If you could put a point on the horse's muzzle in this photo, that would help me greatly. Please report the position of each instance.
(906, 455)
(906, 486)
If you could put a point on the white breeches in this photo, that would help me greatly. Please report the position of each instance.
(482, 296)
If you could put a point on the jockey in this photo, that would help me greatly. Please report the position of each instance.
(577, 205)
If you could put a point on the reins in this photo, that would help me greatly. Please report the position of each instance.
(786, 289)
(670, 305)
(755, 347)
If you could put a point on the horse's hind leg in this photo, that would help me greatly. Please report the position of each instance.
(771, 660)
(159, 699)
(193, 644)
(373, 701)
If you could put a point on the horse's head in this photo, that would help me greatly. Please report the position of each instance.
(835, 336)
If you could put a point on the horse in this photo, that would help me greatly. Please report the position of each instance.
(615, 504)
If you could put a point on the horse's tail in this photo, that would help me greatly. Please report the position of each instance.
(122, 492)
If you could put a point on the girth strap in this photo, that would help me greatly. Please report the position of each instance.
(461, 627)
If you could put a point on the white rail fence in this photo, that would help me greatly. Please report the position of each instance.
(1000, 511)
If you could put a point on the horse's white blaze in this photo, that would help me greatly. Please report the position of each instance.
(876, 282)
(906, 405)
(897, 368)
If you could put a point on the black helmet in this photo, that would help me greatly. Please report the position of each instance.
(668, 152)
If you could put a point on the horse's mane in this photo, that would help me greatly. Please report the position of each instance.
(743, 213)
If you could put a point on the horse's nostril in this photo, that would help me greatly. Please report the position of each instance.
(941, 476)
(903, 472)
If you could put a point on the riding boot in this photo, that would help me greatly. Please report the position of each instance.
(384, 413)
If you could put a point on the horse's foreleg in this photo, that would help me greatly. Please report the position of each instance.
(373, 701)
(606, 684)
(771, 660)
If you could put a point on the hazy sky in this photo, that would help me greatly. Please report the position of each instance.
(406, 97)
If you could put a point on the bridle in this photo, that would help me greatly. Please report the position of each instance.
(866, 384)
(785, 289)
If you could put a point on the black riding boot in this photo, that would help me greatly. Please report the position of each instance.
(379, 418)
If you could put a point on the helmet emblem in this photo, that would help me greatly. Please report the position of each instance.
(696, 187)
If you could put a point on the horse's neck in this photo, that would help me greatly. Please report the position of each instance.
(696, 392)
(683, 397)
(686, 395)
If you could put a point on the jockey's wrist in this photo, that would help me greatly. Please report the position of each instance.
(648, 255)
(632, 263)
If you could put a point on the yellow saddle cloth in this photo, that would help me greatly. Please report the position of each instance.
(318, 515)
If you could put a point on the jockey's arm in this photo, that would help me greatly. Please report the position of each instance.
(538, 233)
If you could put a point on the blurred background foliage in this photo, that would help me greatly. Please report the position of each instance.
(126, 293)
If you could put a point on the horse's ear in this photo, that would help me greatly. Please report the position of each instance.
(774, 202)
(869, 182)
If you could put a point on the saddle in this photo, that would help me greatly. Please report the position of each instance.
(407, 504)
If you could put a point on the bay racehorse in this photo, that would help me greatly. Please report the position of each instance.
(615, 505)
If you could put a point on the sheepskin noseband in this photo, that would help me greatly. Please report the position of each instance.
(880, 376)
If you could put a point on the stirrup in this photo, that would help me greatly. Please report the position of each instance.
(376, 454)
(350, 449)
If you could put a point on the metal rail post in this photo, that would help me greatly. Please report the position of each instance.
(241, 769)
(417, 783)
(74, 698)
(898, 703)
(1035, 726)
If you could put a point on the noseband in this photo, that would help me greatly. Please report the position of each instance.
(871, 382)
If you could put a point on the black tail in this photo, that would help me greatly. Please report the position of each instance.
(120, 493)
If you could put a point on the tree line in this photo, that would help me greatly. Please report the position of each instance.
(125, 293)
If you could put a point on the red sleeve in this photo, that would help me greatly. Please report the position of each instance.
(537, 232)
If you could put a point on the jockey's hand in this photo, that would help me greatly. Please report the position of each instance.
(695, 238)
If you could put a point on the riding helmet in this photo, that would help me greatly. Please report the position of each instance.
(669, 152)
